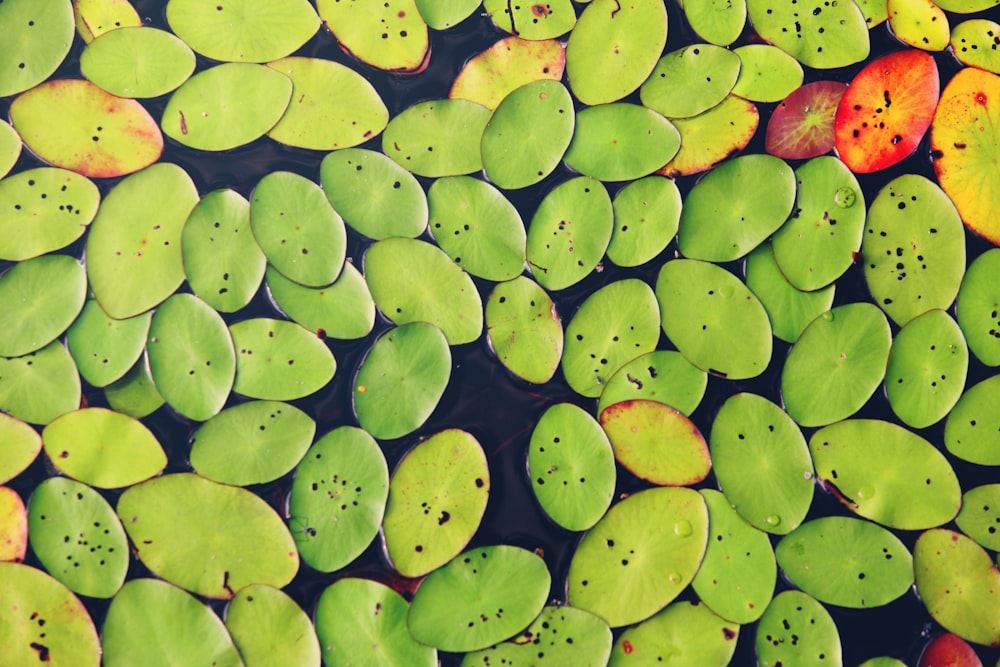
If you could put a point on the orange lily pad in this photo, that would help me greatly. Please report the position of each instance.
(949, 650)
(801, 126)
(886, 110)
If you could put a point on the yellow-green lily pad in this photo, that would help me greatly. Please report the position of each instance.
(45, 209)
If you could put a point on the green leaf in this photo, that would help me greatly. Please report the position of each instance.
(269, 628)
(687, 634)
(437, 137)
(663, 375)
(789, 309)
(279, 360)
(96, 17)
(343, 309)
(972, 42)
(390, 35)
(488, 77)
(43, 296)
(104, 348)
(10, 147)
(532, 21)
(978, 300)
(21, 446)
(137, 62)
(717, 22)
(441, 15)
(39, 386)
(979, 517)
(691, 80)
(843, 40)
(524, 329)
(767, 74)
(37, 37)
(647, 212)
(919, 23)
(134, 394)
(797, 630)
(711, 137)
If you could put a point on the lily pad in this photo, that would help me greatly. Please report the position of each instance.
(45, 209)
(77, 537)
(767, 74)
(37, 38)
(342, 310)
(401, 380)
(571, 466)
(621, 142)
(134, 394)
(10, 147)
(215, 539)
(444, 15)
(414, 281)
(279, 360)
(96, 17)
(269, 628)
(43, 296)
(789, 308)
(21, 446)
(504, 584)
(904, 482)
(685, 634)
(972, 431)
(438, 137)
(437, 498)
(647, 212)
(949, 649)
(39, 386)
(972, 42)
(713, 319)
(490, 76)
(835, 36)
(13, 527)
(191, 356)
(691, 80)
(389, 35)
(524, 329)
(103, 448)
(338, 498)
(104, 348)
(711, 137)
(801, 126)
(919, 23)
(797, 630)
(979, 517)
(836, 364)
(628, 568)
(716, 21)
(251, 443)
(532, 21)
(75, 125)
(663, 375)
(137, 62)
(966, 6)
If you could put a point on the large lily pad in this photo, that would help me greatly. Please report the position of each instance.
(137, 62)
(797, 630)
(972, 431)
(919, 23)
(978, 300)
(524, 329)
(37, 37)
(972, 43)
(343, 309)
(833, 36)
(389, 35)
(664, 376)
(104, 348)
(621, 142)
(39, 386)
(685, 634)
(437, 137)
(279, 360)
(490, 76)
(43, 296)
(647, 212)
(270, 629)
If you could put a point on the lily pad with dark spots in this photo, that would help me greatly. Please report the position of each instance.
(972, 430)
(663, 375)
(647, 213)
(279, 360)
(270, 629)
(797, 630)
(972, 42)
(818, 35)
(978, 305)
(96, 17)
(717, 22)
(789, 308)
(389, 35)
(104, 348)
(524, 329)
(531, 20)
(691, 80)
(343, 309)
(685, 633)
(979, 517)
(919, 23)
(711, 137)
(438, 137)
(801, 126)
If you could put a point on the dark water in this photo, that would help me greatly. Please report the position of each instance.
(482, 398)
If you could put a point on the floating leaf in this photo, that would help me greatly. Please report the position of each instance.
(797, 630)
(437, 498)
(13, 527)
(532, 21)
(966, 6)
(437, 137)
(875, 12)
(801, 126)
(137, 62)
(104, 348)
(444, 15)
(789, 309)
(835, 36)
(767, 74)
(620, 142)
(717, 22)
(691, 80)
(96, 17)
(134, 394)
(919, 23)
(279, 360)
(389, 35)
(37, 37)
(490, 76)
(973, 42)
(39, 386)
(972, 431)
(343, 310)
(647, 212)
(524, 329)
(949, 649)
(269, 628)
(664, 376)
(685, 633)
(21, 445)
(43, 296)
(10, 147)
(711, 137)
(979, 517)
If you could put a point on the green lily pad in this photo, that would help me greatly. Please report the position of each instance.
(874, 11)
(134, 394)
(338, 498)
(711, 137)
(647, 213)
(762, 463)
(215, 539)
(621, 142)
(478, 228)
(979, 517)
(134, 264)
(363, 623)
(490, 76)
(41, 619)
(39, 386)
(21, 446)
(10, 147)
(571, 466)
(96, 17)
(534, 21)
(972, 431)
(75, 125)
(137, 62)
(437, 498)
(927, 367)
(251, 443)
(414, 281)
(884, 660)
(13, 527)
(279, 360)
(191, 356)
(243, 30)
(376, 196)
(836, 364)
(312, 250)
(155, 623)
(443, 15)
(885, 473)
(390, 35)
(919, 23)
(819, 242)
(735, 207)
(223, 266)
(685, 634)
(797, 630)
(718, 22)
(212, 111)
(505, 585)
(104, 348)
(914, 248)
(569, 232)
(627, 568)
(561, 635)
(37, 38)
(438, 137)
(663, 375)
(846, 562)
(737, 576)
(269, 628)
(789, 309)
(959, 584)
(524, 329)
(972, 43)
(713, 319)
(401, 380)
(528, 134)
(767, 74)
(801, 126)
(319, 121)
(966, 6)
(616, 324)
(835, 36)
(613, 48)
(103, 448)
(691, 80)
(43, 296)
(77, 537)
(342, 310)
(45, 209)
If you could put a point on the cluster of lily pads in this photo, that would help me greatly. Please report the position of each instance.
(654, 261)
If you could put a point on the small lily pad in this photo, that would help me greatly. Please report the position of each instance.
(96, 17)
(443, 15)
(979, 517)
(134, 394)
(972, 42)
(904, 482)
(13, 527)
(504, 584)
(21, 446)
(279, 360)
(43, 296)
(835, 36)
(836, 364)
(919, 23)
(251, 443)
(137, 62)
(532, 21)
(39, 386)
(664, 376)
(972, 431)
(389, 35)
(338, 498)
(437, 137)
(104, 348)
(718, 22)
(103, 448)
(628, 568)
(647, 213)
(571, 466)
(685, 634)
(10, 147)
(789, 308)
(797, 630)
(270, 629)
(801, 126)
(767, 74)
(691, 80)
(401, 380)
(711, 137)
(949, 649)
(37, 38)
(524, 329)
(77, 537)
(490, 76)
(437, 498)
(342, 310)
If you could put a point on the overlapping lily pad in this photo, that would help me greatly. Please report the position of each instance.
(797, 630)
(685, 633)
(621, 141)
(279, 360)
(137, 62)
(104, 348)
(389, 35)
(691, 80)
(269, 628)
(717, 22)
(801, 126)
(767, 74)
(919, 23)
(709, 138)
(96, 17)
(43, 295)
(10, 147)
(13, 527)
(978, 300)
(438, 137)
(134, 394)
(647, 213)
(663, 375)
(524, 329)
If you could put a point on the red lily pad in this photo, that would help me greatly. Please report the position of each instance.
(801, 126)
(949, 650)
(886, 110)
